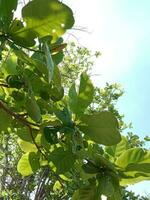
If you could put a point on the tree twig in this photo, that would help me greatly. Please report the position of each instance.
(17, 116)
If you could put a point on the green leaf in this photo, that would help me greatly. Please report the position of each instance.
(136, 165)
(133, 180)
(90, 168)
(85, 193)
(50, 134)
(31, 61)
(57, 78)
(23, 38)
(6, 12)
(52, 18)
(19, 36)
(58, 57)
(28, 164)
(101, 128)
(5, 120)
(131, 156)
(103, 163)
(142, 167)
(118, 149)
(49, 61)
(109, 186)
(24, 134)
(63, 160)
(73, 98)
(10, 65)
(106, 186)
(80, 101)
(64, 116)
(33, 109)
(27, 146)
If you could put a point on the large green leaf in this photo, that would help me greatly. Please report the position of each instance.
(80, 101)
(6, 12)
(133, 180)
(27, 146)
(28, 164)
(116, 150)
(132, 156)
(136, 165)
(85, 193)
(63, 160)
(45, 17)
(7, 7)
(101, 128)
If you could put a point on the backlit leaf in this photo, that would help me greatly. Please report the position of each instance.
(28, 164)
(101, 128)
(80, 100)
(46, 17)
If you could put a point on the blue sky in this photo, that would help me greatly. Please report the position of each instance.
(120, 30)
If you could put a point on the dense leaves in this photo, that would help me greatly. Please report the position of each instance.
(62, 134)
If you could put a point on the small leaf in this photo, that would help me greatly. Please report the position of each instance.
(49, 61)
(101, 128)
(57, 186)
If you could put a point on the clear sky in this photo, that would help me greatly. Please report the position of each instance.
(120, 30)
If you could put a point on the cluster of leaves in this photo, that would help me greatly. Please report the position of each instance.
(69, 142)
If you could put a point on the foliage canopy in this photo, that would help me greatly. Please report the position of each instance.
(66, 134)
